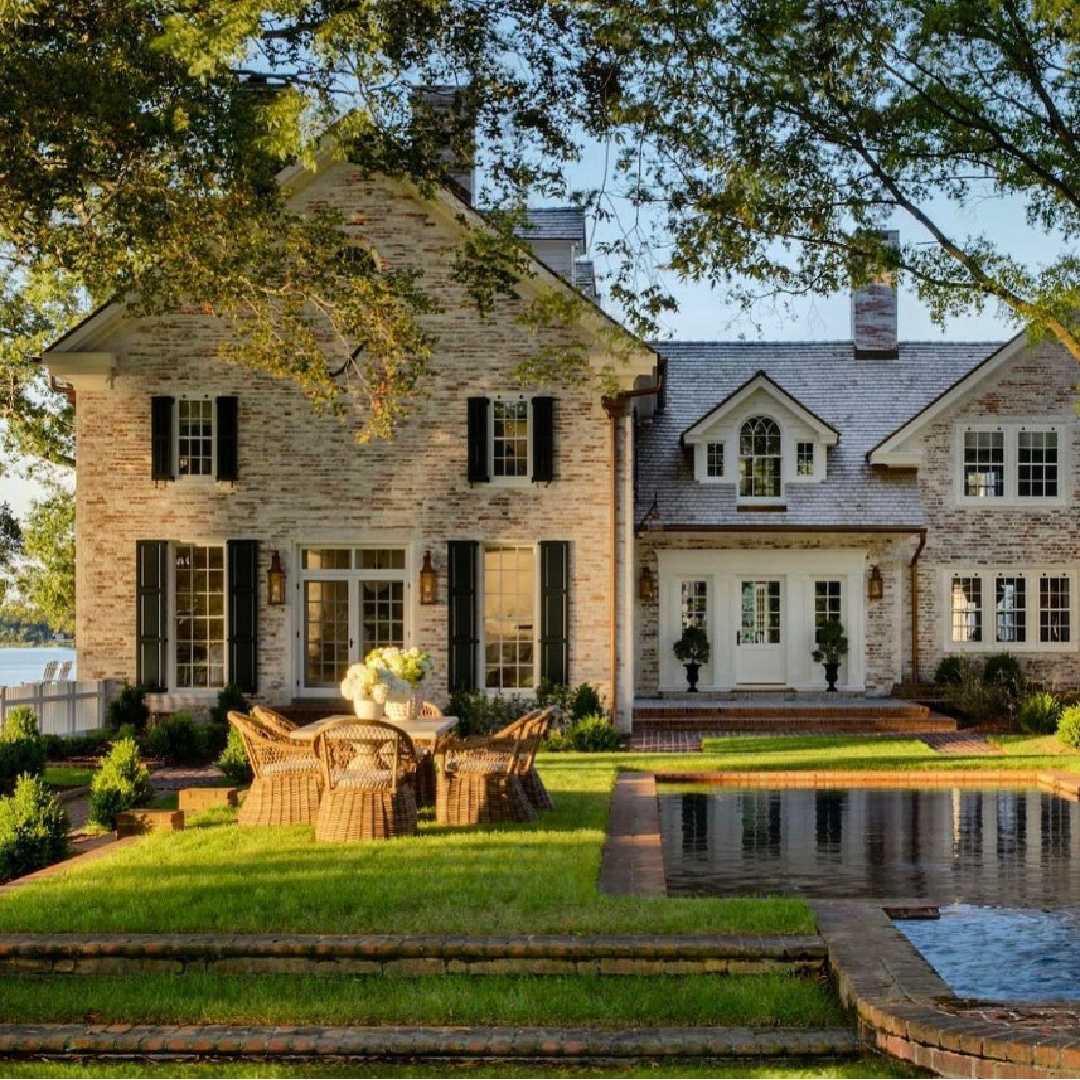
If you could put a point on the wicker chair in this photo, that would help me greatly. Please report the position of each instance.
(287, 785)
(278, 724)
(479, 784)
(530, 729)
(430, 709)
(368, 794)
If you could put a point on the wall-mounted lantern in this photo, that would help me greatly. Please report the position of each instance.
(429, 581)
(875, 586)
(275, 580)
(646, 586)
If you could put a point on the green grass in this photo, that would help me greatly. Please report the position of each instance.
(648, 1070)
(592, 1001)
(829, 752)
(215, 877)
(68, 776)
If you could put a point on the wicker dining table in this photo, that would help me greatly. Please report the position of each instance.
(423, 730)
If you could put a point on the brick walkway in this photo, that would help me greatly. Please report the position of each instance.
(659, 741)
(967, 743)
(59, 1040)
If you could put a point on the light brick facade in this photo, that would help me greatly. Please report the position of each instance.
(304, 479)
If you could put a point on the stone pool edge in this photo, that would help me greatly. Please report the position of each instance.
(893, 993)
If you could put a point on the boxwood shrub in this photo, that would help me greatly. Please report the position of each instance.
(33, 828)
(121, 783)
(22, 749)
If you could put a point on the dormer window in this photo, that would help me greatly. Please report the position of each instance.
(804, 459)
(714, 460)
(759, 458)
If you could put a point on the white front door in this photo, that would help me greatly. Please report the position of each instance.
(759, 641)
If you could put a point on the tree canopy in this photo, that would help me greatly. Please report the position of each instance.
(759, 145)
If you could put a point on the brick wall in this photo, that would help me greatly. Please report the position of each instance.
(304, 478)
(1039, 382)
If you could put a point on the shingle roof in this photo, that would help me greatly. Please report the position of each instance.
(556, 223)
(864, 399)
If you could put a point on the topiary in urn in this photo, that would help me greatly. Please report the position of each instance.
(692, 650)
(832, 647)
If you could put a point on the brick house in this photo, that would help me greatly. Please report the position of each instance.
(921, 493)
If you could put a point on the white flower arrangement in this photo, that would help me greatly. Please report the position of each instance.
(410, 666)
(386, 673)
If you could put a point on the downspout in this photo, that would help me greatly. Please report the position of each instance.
(613, 406)
(915, 607)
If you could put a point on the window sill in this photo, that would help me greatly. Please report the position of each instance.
(760, 508)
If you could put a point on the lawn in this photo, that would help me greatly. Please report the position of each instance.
(592, 1001)
(68, 776)
(648, 1070)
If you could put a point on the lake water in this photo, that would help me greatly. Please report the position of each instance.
(998, 846)
(21, 665)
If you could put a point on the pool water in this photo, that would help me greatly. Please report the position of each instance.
(1002, 954)
(996, 846)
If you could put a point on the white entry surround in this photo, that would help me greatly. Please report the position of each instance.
(778, 589)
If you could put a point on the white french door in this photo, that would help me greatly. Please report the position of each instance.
(352, 600)
(759, 640)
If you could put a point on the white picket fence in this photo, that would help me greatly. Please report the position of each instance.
(63, 708)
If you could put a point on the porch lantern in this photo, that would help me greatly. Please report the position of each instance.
(275, 581)
(875, 586)
(429, 581)
(646, 586)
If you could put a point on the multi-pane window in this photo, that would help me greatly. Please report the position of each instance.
(714, 459)
(1010, 609)
(804, 459)
(382, 613)
(984, 464)
(760, 607)
(759, 458)
(1036, 464)
(694, 604)
(195, 435)
(509, 618)
(827, 602)
(1054, 610)
(199, 624)
(326, 632)
(1021, 601)
(510, 438)
(966, 609)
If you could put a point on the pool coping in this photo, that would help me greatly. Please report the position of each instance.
(897, 999)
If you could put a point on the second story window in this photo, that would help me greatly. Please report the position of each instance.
(1036, 464)
(509, 438)
(1011, 464)
(714, 459)
(759, 458)
(984, 464)
(195, 437)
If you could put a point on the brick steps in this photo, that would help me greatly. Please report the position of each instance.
(421, 955)
(392, 1042)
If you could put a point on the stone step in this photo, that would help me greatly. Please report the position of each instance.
(409, 955)
(395, 1042)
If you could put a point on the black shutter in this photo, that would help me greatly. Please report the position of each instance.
(543, 440)
(463, 640)
(554, 612)
(161, 440)
(228, 446)
(151, 615)
(479, 469)
(243, 559)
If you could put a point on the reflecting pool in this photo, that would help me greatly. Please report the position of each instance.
(997, 846)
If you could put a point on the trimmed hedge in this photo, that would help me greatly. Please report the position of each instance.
(22, 749)
(122, 783)
(33, 829)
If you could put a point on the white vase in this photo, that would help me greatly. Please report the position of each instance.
(367, 709)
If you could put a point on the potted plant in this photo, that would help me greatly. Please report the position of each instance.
(692, 650)
(832, 647)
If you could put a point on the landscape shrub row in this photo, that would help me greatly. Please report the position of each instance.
(22, 749)
(33, 828)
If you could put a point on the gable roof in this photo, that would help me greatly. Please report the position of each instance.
(887, 451)
(862, 399)
(760, 381)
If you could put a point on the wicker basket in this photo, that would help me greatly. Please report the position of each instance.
(404, 710)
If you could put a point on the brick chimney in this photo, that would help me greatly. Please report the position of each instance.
(873, 311)
(442, 112)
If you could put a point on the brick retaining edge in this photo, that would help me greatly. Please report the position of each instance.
(63, 1040)
(408, 955)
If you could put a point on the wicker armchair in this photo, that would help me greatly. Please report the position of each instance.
(287, 785)
(430, 709)
(368, 793)
(530, 729)
(274, 721)
(479, 783)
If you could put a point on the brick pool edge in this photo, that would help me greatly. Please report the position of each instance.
(895, 996)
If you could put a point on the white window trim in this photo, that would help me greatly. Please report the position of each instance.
(510, 481)
(481, 680)
(194, 478)
(990, 644)
(1011, 430)
(729, 440)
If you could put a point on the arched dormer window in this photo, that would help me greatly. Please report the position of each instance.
(759, 458)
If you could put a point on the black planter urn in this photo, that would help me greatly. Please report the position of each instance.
(692, 670)
(831, 672)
